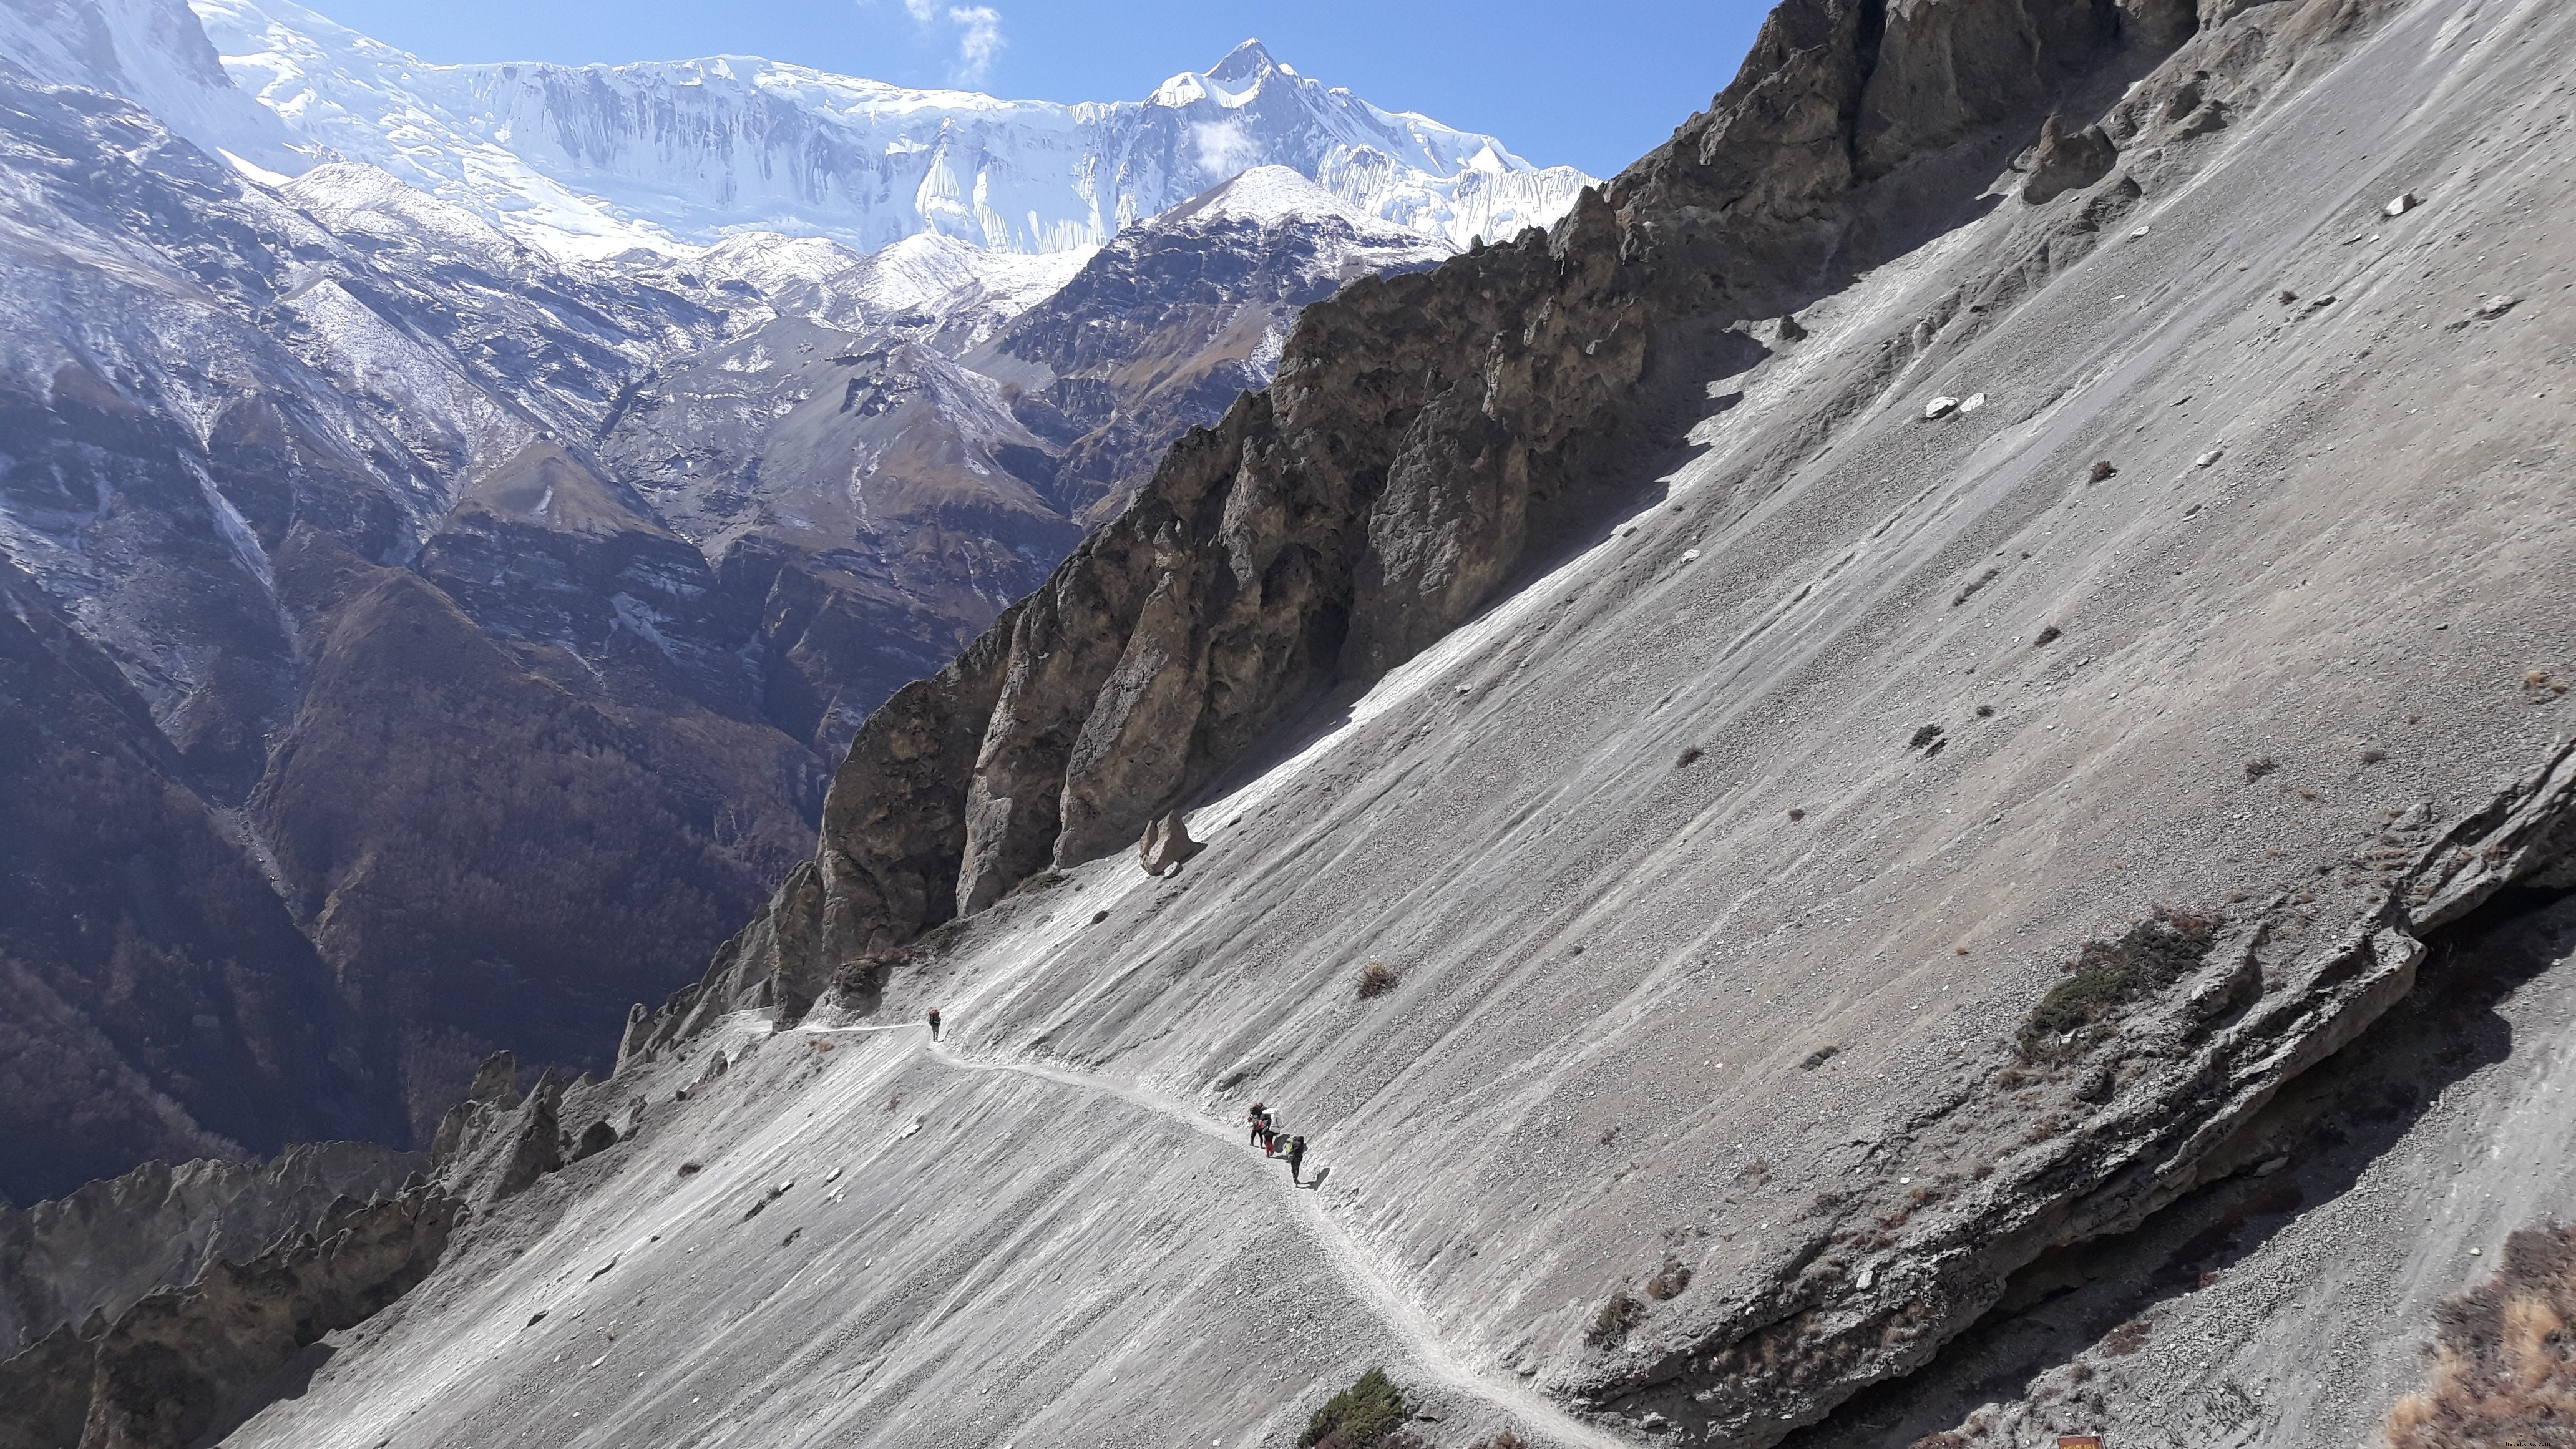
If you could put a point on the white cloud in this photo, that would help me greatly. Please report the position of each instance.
(979, 34)
(1225, 148)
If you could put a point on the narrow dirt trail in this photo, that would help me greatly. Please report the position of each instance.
(1404, 1320)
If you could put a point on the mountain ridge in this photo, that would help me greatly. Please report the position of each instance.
(594, 160)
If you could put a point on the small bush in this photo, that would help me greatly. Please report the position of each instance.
(1669, 1280)
(2373, 756)
(1687, 755)
(2504, 1371)
(1504, 1440)
(1818, 1058)
(1970, 592)
(1797, 814)
(1622, 1313)
(1924, 736)
(688, 1168)
(1376, 979)
(1043, 880)
(1365, 1414)
(1985, 711)
(2101, 470)
(865, 972)
(2107, 975)
(2259, 766)
(2048, 636)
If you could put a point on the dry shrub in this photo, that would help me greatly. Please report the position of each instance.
(1611, 1324)
(1946, 1439)
(1686, 756)
(2127, 1339)
(1503, 1440)
(1376, 979)
(1669, 1280)
(2106, 976)
(2504, 1369)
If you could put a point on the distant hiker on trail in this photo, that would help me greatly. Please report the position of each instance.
(1296, 1155)
(934, 1023)
(1260, 1122)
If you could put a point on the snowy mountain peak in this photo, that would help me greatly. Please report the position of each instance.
(1269, 195)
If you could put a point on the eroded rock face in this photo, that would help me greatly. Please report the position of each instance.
(1422, 432)
(113, 1241)
(174, 1364)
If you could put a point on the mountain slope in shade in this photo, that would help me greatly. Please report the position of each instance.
(592, 160)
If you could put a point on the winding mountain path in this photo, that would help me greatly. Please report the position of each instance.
(1404, 1320)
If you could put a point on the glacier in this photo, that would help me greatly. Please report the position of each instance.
(592, 162)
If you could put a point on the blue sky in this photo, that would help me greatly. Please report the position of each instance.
(1593, 85)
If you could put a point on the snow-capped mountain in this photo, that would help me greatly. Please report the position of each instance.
(594, 160)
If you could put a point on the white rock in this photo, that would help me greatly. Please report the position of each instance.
(2212, 456)
(2498, 306)
(1690, 555)
(1940, 407)
(2401, 204)
(1975, 400)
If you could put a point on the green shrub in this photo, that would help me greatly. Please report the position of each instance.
(2108, 975)
(1361, 1416)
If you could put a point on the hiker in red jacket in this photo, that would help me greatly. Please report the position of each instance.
(1260, 1122)
(934, 1023)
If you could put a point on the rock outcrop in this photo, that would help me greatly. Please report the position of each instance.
(1166, 845)
(1424, 435)
(2067, 161)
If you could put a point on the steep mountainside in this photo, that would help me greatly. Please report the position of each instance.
(1943, 714)
(592, 160)
(449, 582)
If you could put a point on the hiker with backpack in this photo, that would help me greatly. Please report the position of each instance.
(1260, 1123)
(1296, 1156)
(934, 1023)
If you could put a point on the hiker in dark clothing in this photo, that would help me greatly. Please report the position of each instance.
(1296, 1156)
(934, 1023)
(1260, 1122)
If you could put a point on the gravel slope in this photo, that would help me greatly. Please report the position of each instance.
(1617, 973)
